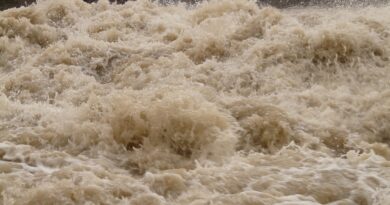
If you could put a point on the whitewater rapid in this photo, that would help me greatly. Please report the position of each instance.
(223, 103)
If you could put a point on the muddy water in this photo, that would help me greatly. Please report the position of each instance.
(223, 103)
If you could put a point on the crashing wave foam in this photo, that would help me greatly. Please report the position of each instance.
(222, 103)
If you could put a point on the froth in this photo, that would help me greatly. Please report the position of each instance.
(220, 103)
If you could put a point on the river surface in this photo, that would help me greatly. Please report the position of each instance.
(221, 103)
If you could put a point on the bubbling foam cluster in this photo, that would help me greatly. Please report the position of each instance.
(223, 102)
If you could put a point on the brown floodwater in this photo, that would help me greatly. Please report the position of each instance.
(224, 103)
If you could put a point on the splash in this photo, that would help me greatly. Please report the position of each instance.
(220, 103)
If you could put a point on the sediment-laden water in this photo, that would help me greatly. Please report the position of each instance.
(223, 103)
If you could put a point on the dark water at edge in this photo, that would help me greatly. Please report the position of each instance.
(6, 4)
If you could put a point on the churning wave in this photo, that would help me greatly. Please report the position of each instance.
(224, 102)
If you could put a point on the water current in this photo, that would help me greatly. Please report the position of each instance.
(219, 103)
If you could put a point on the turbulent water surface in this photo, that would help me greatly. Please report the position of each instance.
(222, 103)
